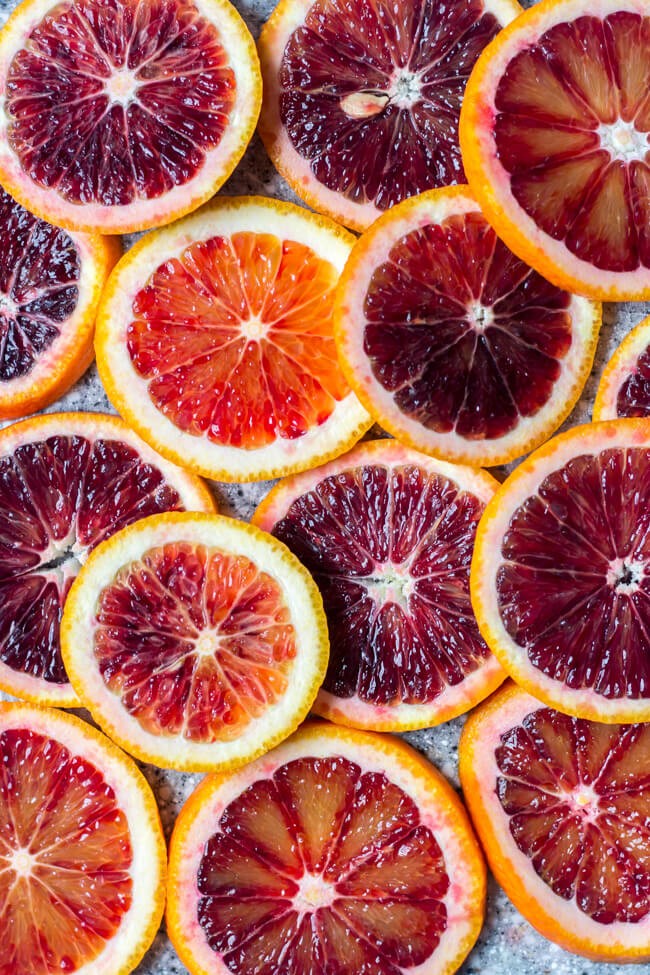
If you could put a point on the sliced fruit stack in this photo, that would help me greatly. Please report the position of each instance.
(388, 535)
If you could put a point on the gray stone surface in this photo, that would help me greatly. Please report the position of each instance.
(507, 945)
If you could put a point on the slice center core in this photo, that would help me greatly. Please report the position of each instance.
(624, 576)
(313, 893)
(254, 329)
(206, 645)
(479, 316)
(405, 90)
(8, 306)
(389, 584)
(22, 862)
(623, 142)
(121, 87)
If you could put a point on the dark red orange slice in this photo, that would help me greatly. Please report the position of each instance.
(82, 855)
(561, 572)
(561, 806)
(362, 101)
(339, 851)
(67, 481)
(624, 388)
(388, 535)
(120, 114)
(554, 133)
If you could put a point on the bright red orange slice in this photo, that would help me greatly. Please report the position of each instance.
(554, 134)
(561, 806)
(82, 853)
(340, 851)
(215, 341)
(388, 535)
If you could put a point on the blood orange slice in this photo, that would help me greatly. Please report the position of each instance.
(120, 114)
(554, 133)
(82, 854)
(50, 286)
(457, 347)
(67, 481)
(624, 388)
(362, 101)
(214, 341)
(388, 535)
(561, 572)
(197, 642)
(561, 807)
(341, 851)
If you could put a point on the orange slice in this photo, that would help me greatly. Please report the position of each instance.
(67, 481)
(561, 807)
(197, 642)
(388, 536)
(624, 388)
(554, 135)
(82, 853)
(455, 346)
(50, 286)
(362, 101)
(121, 115)
(341, 851)
(561, 572)
(214, 341)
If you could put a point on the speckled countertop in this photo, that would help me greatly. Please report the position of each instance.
(507, 945)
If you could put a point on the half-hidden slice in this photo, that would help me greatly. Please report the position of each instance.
(67, 481)
(561, 806)
(388, 536)
(197, 642)
(120, 115)
(624, 388)
(215, 341)
(340, 851)
(82, 854)
(50, 285)
(560, 579)
(554, 133)
(455, 346)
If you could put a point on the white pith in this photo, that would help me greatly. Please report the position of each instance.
(522, 484)
(129, 390)
(8, 307)
(147, 843)
(491, 819)
(623, 141)
(122, 86)
(91, 426)
(128, 547)
(432, 208)
(438, 811)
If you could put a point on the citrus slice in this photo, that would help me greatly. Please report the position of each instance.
(67, 481)
(82, 853)
(388, 535)
(362, 101)
(554, 134)
(560, 577)
(341, 851)
(214, 341)
(457, 347)
(197, 642)
(624, 388)
(50, 286)
(120, 115)
(561, 807)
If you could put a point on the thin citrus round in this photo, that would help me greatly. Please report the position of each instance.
(120, 115)
(455, 346)
(339, 851)
(50, 285)
(67, 481)
(388, 534)
(214, 341)
(554, 135)
(362, 101)
(624, 388)
(560, 578)
(560, 805)
(197, 642)
(82, 855)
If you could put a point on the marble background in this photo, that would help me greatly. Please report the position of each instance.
(507, 945)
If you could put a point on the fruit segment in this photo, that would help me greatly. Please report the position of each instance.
(561, 804)
(388, 535)
(362, 102)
